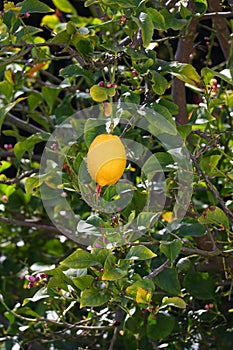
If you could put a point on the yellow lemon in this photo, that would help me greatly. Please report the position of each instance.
(106, 159)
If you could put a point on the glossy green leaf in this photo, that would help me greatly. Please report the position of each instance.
(201, 6)
(161, 326)
(27, 145)
(159, 124)
(64, 6)
(32, 6)
(191, 227)
(4, 165)
(80, 259)
(209, 164)
(185, 72)
(111, 270)
(208, 73)
(40, 294)
(174, 301)
(6, 109)
(168, 281)
(50, 95)
(73, 70)
(83, 282)
(214, 216)
(93, 297)
(171, 249)
(31, 183)
(90, 2)
(159, 83)
(157, 18)
(144, 22)
(58, 280)
(122, 3)
(173, 22)
(140, 252)
(6, 88)
(200, 285)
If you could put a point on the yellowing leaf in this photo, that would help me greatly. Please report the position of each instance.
(167, 216)
(98, 93)
(10, 6)
(143, 296)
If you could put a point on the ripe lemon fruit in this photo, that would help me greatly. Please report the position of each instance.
(106, 159)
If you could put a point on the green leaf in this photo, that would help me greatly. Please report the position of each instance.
(185, 72)
(4, 165)
(200, 285)
(83, 282)
(31, 183)
(73, 70)
(226, 75)
(209, 164)
(27, 145)
(6, 88)
(64, 6)
(32, 6)
(6, 109)
(144, 22)
(190, 227)
(50, 95)
(61, 38)
(93, 297)
(159, 124)
(168, 281)
(171, 249)
(80, 259)
(215, 216)
(58, 280)
(140, 252)
(201, 6)
(173, 22)
(90, 2)
(98, 93)
(157, 18)
(159, 83)
(40, 294)
(174, 301)
(144, 284)
(122, 3)
(160, 327)
(111, 271)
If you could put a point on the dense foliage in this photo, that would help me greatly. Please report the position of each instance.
(145, 263)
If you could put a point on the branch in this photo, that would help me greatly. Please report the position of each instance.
(182, 54)
(206, 253)
(31, 223)
(19, 178)
(222, 31)
(11, 119)
(158, 270)
(211, 187)
(6, 154)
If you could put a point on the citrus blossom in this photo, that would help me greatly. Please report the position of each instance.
(106, 159)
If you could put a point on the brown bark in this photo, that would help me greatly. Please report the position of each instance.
(182, 54)
(222, 31)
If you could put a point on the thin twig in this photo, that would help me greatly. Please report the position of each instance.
(158, 270)
(16, 180)
(6, 154)
(27, 223)
(11, 119)
(211, 187)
